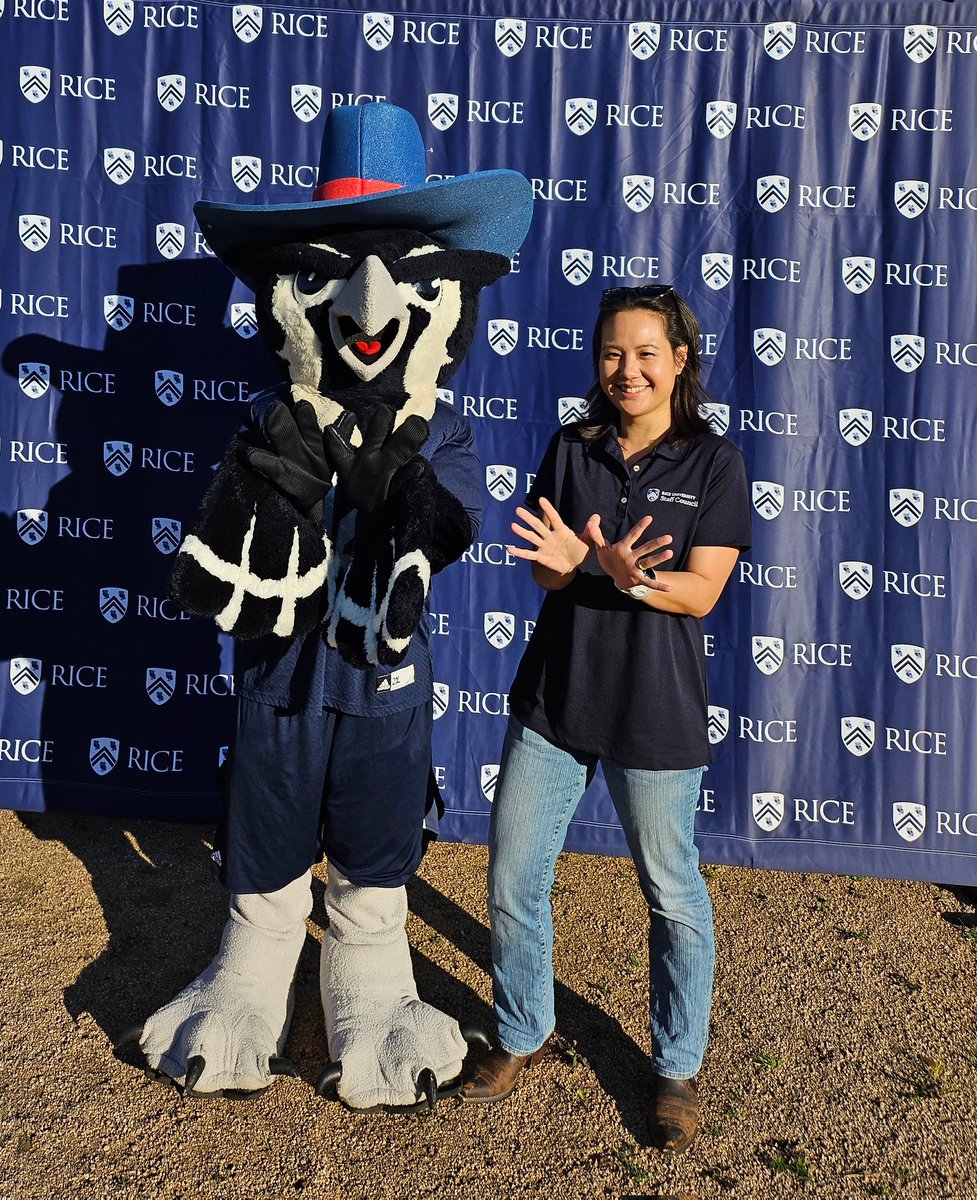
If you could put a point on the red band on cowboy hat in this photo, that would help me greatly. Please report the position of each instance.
(346, 189)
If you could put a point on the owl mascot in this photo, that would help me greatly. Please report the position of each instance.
(315, 546)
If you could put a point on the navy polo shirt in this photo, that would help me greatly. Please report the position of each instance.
(605, 674)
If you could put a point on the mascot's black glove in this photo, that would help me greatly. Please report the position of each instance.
(385, 463)
(299, 466)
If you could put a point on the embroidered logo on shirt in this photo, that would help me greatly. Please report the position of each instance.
(666, 497)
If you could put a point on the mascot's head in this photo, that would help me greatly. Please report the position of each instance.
(371, 287)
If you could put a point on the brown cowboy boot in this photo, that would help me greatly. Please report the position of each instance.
(494, 1078)
(673, 1114)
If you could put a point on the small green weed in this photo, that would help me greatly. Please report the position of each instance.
(573, 1056)
(903, 981)
(854, 935)
(709, 871)
(768, 1061)
(790, 1157)
(929, 1081)
(625, 1155)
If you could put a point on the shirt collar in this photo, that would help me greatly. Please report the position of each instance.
(666, 449)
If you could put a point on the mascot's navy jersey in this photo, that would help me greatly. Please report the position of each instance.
(304, 674)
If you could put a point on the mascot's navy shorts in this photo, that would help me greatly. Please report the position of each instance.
(303, 785)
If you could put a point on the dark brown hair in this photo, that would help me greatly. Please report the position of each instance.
(681, 329)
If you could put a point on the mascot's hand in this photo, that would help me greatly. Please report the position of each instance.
(299, 466)
(385, 463)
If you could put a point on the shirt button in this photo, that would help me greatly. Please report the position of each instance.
(624, 499)
(636, 468)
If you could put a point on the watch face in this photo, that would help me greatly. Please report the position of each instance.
(639, 591)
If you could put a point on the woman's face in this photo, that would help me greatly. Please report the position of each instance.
(637, 367)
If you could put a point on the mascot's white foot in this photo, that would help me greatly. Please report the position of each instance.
(388, 1048)
(223, 1033)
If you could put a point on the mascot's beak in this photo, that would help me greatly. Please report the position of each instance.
(368, 319)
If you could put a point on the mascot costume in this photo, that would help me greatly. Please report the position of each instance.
(315, 545)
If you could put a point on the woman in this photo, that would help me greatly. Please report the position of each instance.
(615, 674)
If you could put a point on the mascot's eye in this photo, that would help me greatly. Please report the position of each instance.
(427, 289)
(310, 282)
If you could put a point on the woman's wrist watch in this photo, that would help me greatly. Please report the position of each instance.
(639, 591)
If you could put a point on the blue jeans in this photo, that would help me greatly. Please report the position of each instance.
(538, 790)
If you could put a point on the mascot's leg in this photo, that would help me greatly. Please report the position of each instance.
(222, 1034)
(394, 1051)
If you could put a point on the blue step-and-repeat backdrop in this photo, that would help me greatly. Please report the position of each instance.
(804, 174)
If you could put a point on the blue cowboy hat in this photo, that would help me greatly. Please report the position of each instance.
(371, 173)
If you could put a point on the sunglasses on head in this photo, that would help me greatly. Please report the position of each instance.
(647, 291)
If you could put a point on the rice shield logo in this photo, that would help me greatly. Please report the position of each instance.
(907, 661)
(160, 684)
(768, 653)
(378, 30)
(911, 196)
(35, 83)
(442, 109)
(720, 118)
(118, 311)
(510, 35)
(503, 336)
(103, 754)
(32, 525)
(580, 114)
(577, 265)
(442, 698)
(907, 351)
(571, 409)
(856, 578)
(34, 379)
(644, 38)
(113, 603)
(779, 38)
(865, 120)
(171, 91)
(768, 498)
(118, 16)
(500, 480)
(25, 674)
(773, 192)
(717, 270)
(488, 779)
(246, 21)
(117, 457)
(909, 820)
(246, 172)
(243, 321)
(857, 735)
(34, 230)
(858, 274)
(717, 415)
(306, 101)
(499, 628)
(170, 239)
(166, 534)
(919, 41)
(169, 387)
(907, 506)
(718, 724)
(118, 163)
(768, 810)
(769, 345)
(638, 191)
(855, 425)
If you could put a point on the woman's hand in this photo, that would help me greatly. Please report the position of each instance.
(557, 551)
(624, 561)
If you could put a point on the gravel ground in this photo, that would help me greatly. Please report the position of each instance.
(843, 1058)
